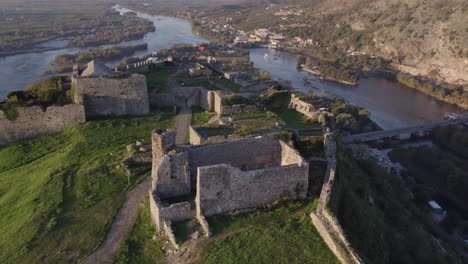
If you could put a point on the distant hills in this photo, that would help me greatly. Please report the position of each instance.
(422, 37)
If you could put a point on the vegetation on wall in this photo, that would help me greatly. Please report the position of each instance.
(379, 216)
(44, 93)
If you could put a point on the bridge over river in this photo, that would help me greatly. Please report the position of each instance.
(406, 132)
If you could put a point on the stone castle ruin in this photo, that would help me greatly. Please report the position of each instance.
(194, 182)
(104, 94)
(96, 91)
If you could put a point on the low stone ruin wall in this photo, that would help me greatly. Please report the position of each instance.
(175, 212)
(204, 224)
(197, 139)
(303, 107)
(33, 121)
(167, 228)
(326, 224)
(238, 109)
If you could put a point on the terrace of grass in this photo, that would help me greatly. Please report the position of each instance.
(157, 79)
(60, 192)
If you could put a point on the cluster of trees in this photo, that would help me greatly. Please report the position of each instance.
(64, 62)
(379, 217)
(337, 72)
(82, 29)
(44, 93)
(446, 92)
(454, 138)
(350, 118)
(113, 29)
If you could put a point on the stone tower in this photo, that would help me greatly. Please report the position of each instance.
(163, 140)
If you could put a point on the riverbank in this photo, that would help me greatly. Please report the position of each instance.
(444, 92)
(4, 54)
(322, 77)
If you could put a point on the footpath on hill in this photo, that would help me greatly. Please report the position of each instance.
(122, 224)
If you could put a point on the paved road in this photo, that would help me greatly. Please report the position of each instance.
(183, 120)
(122, 225)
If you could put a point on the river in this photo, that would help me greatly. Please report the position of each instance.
(392, 105)
(19, 70)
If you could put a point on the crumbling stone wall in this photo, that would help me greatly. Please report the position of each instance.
(186, 96)
(174, 212)
(217, 103)
(224, 188)
(170, 170)
(327, 225)
(167, 227)
(238, 109)
(33, 121)
(197, 139)
(104, 96)
(303, 107)
(243, 154)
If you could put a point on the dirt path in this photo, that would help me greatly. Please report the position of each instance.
(183, 120)
(121, 226)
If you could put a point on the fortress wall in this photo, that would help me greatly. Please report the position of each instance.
(103, 96)
(163, 100)
(194, 137)
(290, 155)
(238, 109)
(197, 139)
(167, 227)
(172, 177)
(207, 99)
(111, 106)
(303, 107)
(217, 103)
(327, 225)
(224, 188)
(175, 212)
(248, 154)
(33, 121)
(186, 96)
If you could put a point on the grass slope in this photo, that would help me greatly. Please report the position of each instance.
(60, 192)
(157, 79)
(293, 240)
(379, 216)
(282, 235)
(140, 246)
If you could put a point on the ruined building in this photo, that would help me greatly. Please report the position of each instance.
(104, 94)
(194, 182)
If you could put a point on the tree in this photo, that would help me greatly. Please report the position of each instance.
(264, 75)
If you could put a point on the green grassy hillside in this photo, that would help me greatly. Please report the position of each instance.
(379, 217)
(60, 192)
